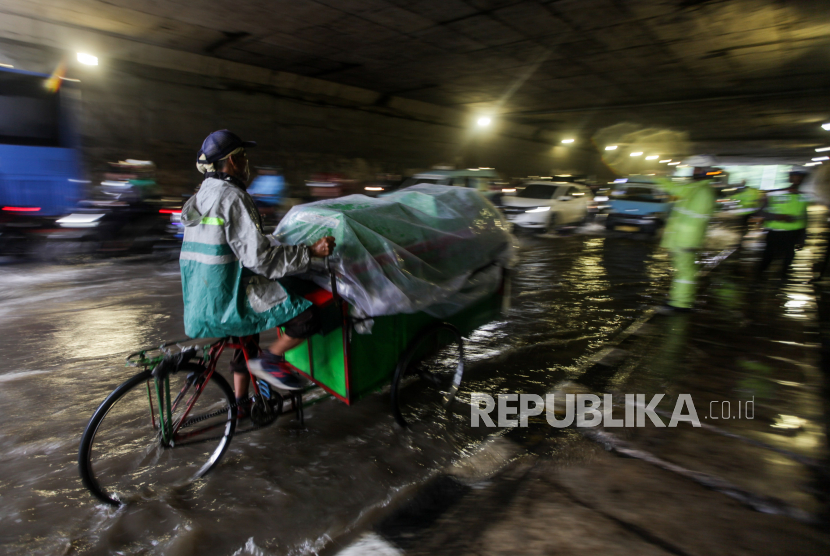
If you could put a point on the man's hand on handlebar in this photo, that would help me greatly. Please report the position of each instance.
(322, 247)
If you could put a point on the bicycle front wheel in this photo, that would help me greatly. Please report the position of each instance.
(128, 452)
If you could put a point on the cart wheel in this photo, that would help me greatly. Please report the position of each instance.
(428, 375)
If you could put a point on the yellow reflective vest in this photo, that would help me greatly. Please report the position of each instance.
(788, 203)
(750, 199)
(689, 218)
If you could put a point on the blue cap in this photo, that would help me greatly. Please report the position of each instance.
(220, 144)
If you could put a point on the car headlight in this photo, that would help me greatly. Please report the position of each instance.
(539, 209)
(79, 220)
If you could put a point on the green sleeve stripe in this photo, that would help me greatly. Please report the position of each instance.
(212, 221)
(206, 248)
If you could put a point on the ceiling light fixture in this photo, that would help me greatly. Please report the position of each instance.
(484, 121)
(819, 158)
(611, 147)
(664, 161)
(567, 140)
(823, 149)
(636, 154)
(825, 126)
(653, 157)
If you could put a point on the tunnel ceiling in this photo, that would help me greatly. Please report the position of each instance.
(743, 77)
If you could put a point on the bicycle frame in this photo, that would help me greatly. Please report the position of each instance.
(170, 431)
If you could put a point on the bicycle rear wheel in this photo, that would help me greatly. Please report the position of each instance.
(123, 455)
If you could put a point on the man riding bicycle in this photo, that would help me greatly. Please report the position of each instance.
(230, 268)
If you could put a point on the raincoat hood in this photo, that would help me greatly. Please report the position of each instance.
(190, 215)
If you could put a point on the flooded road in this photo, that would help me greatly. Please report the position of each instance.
(282, 489)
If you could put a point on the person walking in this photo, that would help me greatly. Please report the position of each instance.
(686, 230)
(749, 201)
(785, 218)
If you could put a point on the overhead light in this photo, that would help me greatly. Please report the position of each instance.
(823, 149)
(611, 147)
(673, 163)
(664, 161)
(87, 59)
(808, 164)
(819, 158)
(567, 140)
(636, 154)
(825, 126)
(653, 157)
(563, 175)
(373, 188)
(6, 66)
(484, 121)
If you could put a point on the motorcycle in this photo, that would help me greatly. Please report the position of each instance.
(128, 217)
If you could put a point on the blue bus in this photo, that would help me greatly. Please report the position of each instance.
(40, 165)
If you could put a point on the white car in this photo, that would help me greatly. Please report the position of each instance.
(544, 205)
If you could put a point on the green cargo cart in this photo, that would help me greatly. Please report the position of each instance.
(401, 347)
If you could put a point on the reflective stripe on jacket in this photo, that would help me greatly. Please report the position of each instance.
(785, 202)
(229, 268)
(689, 218)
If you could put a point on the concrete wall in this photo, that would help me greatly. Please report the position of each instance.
(135, 107)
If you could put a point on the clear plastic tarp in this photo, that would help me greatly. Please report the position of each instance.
(429, 248)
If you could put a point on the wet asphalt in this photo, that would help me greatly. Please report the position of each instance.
(287, 489)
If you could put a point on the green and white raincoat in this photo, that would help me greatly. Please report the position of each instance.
(230, 269)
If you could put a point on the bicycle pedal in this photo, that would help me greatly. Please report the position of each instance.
(264, 389)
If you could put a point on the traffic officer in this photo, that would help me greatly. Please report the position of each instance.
(750, 200)
(686, 230)
(785, 219)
